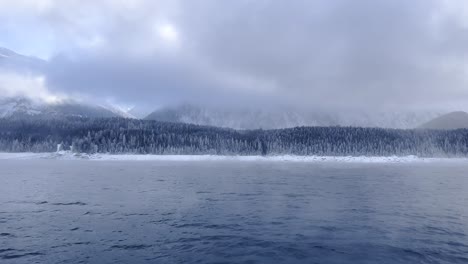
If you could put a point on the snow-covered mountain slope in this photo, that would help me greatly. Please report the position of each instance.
(271, 118)
(121, 112)
(453, 120)
(22, 94)
(11, 107)
(25, 108)
(140, 111)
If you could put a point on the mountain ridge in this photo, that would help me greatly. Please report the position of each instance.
(12, 61)
(21, 107)
(25, 105)
(274, 118)
(248, 118)
(452, 120)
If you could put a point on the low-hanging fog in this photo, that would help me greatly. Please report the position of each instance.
(327, 54)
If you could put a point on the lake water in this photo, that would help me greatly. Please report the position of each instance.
(59, 211)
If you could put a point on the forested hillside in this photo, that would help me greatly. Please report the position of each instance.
(116, 135)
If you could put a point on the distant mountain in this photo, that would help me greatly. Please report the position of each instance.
(20, 107)
(139, 111)
(25, 106)
(454, 120)
(12, 61)
(125, 113)
(275, 118)
(253, 118)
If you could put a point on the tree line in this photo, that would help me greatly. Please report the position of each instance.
(119, 136)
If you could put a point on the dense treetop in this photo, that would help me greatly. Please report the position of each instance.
(117, 135)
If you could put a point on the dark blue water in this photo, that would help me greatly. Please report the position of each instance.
(232, 212)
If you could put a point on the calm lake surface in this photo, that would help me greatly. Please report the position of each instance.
(59, 211)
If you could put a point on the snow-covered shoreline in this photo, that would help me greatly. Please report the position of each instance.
(283, 158)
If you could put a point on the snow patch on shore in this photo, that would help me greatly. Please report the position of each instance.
(64, 155)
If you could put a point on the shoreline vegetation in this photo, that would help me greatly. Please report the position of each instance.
(130, 136)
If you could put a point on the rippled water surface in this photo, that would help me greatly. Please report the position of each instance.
(58, 211)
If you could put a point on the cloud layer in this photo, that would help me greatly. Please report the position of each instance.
(326, 53)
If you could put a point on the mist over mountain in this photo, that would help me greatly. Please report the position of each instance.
(325, 56)
(26, 93)
(12, 61)
(269, 118)
(454, 120)
(19, 107)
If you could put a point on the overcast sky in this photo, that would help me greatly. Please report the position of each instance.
(320, 53)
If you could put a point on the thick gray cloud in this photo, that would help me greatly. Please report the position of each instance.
(329, 53)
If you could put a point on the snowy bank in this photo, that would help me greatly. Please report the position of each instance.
(62, 155)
